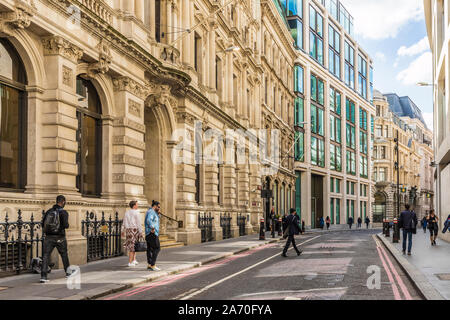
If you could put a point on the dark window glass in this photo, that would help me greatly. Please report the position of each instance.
(89, 139)
(12, 118)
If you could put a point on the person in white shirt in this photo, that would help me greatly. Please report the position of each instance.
(132, 227)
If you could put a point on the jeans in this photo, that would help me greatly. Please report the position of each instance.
(50, 243)
(288, 243)
(407, 234)
(153, 248)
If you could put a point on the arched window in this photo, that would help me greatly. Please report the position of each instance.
(89, 139)
(13, 99)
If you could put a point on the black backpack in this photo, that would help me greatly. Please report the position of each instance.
(51, 223)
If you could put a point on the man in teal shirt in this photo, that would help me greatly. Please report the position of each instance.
(152, 235)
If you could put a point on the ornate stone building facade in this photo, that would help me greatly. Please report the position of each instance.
(399, 114)
(99, 98)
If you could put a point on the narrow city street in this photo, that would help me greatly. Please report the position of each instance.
(333, 265)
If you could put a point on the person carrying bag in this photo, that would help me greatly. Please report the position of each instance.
(292, 229)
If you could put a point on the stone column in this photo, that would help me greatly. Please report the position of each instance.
(186, 50)
(169, 24)
(59, 128)
(128, 142)
(212, 54)
(139, 9)
(152, 19)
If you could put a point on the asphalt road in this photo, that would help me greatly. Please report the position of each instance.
(333, 266)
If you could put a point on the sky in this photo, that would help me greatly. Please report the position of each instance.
(394, 34)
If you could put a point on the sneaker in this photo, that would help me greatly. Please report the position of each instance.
(299, 252)
(131, 264)
(409, 253)
(155, 268)
(135, 262)
(44, 280)
(149, 267)
(68, 275)
(434, 241)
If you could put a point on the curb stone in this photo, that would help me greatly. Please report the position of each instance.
(113, 288)
(418, 278)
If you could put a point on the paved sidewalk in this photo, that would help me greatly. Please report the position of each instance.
(108, 276)
(428, 266)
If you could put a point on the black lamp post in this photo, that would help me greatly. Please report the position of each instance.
(396, 233)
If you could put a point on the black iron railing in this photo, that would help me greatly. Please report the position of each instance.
(225, 223)
(20, 242)
(241, 224)
(103, 236)
(205, 223)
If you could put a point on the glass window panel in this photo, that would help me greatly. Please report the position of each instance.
(312, 18)
(319, 25)
(320, 51)
(10, 144)
(313, 151)
(314, 88)
(321, 92)
(312, 45)
(320, 124)
(338, 131)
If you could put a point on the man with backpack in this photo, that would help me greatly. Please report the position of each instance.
(54, 224)
(407, 222)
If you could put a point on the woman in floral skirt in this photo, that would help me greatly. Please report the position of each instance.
(133, 231)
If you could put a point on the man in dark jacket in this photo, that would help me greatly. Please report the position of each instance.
(292, 222)
(350, 221)
(56, 239)
(367, 222)
(446, 225)
(408, 222)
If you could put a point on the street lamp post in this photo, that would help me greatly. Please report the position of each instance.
(396, 233)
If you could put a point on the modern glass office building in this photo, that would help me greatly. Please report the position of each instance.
(333, 85)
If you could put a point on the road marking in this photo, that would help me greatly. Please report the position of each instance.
(399, 280)
(173, 278)
(238, 273)
(290, 291)
(391, 279)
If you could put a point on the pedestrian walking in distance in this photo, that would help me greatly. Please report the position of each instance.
(292, 229)
(54, 224)
(328, 222)
(359, 222)
(152, 235)
(407, 222)
(132, 227)
(433, 227)
(350, 222)
(367, 222)
(321, 223)
(424, 224)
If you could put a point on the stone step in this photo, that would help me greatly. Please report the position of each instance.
(172, 245)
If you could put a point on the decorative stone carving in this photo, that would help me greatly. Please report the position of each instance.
(127, 159)
(104, 60)
(59, 46)
(134, 108)
(133, 87)
(128, 178)
(127, 141)
(19, 18)
(67, 76)
(126, 122)
(160, 95)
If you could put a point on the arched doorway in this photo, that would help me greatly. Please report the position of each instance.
(159, 169)
(379, 208)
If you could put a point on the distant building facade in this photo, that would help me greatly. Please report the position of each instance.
(400, 115)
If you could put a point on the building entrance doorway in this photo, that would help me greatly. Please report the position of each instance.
(379, 208)
(316, 200)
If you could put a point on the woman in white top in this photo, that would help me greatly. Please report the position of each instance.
(133, 231)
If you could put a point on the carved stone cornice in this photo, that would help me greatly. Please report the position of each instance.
(104, 60)
(126, 122)
(128, 141)
(20, 18)
(131, 86)
(128, 178)
(57, 45)
(127, 159)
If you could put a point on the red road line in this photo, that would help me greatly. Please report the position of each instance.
(389, 274)
(185, 274)
(399, 280)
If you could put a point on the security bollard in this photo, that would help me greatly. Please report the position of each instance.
(262, 233)
(280, 233)
(273, 228)
(396, 232)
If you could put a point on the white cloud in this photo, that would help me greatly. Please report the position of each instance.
(380, 56)
(420, 70)
(382, 19)
(428, 117)
(417, 48)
